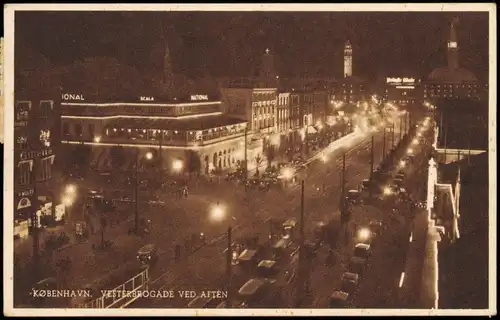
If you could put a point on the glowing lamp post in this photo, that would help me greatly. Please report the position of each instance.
(70, 189)
(364, 234)
(147, 156)
(177, 165)
(218, 213)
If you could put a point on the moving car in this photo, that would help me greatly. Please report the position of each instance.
(267, 268)
(338, 299)
(398, 182)
(349, 282)
(354, 196)
(251, 292)
(248, 257)
(375, 227)
(147, 254)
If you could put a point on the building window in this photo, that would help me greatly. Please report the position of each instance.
(45, 172)
(78, 130)
(91, 129)
(66, 129)
(46, 107)
(24, 173)
(22, 142)
(45, 137)
(22, 110)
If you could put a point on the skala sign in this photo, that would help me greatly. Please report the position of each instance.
(72, 97)
(147, 98)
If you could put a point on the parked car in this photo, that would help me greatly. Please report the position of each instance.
(349, 282)
(362, 250)
(357, 265)
(338, 299)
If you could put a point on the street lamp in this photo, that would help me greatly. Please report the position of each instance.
(177, 165)
(97, 139)
(70, 189)
(364, 234)
(67, 201)
(148, 156)
(387, 191)
(218, 213)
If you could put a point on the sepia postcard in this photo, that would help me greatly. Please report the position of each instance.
(249, 159)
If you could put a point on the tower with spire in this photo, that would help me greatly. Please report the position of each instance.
(267, 74)
(168, 73)
(453, 46)
(347, 59)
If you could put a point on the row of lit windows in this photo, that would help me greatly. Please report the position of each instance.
(451, 85)
(45, 109)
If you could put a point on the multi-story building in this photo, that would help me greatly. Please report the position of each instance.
(257, 106)
(403, 90)
(192, 130)
(453, 81)
(36, 137)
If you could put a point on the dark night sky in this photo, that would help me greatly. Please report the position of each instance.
(222, 43)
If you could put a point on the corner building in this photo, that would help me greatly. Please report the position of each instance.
(192, 129)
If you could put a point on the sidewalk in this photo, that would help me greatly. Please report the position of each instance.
(410, 291)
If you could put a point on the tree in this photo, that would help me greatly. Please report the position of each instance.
(193, 161)
(270, 154)
(117, 156)
(258, 161)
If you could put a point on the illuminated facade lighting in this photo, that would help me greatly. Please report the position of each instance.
(191, 116)
(128, 104)
(142, 145)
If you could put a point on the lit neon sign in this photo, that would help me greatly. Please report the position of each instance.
(199, 97)
(72, 97)
(452, 45)
(147, 99)
(400, 80)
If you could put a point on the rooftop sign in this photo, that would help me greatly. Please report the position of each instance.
(199, 97)
(400, 80)
(72, 97)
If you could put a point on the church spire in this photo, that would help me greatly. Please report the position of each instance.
(168, 74)
(453, 46)
(268, 77)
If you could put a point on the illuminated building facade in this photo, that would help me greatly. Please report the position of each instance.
(348, 90)
(283, 124)
(403, 90)
(193, 130)
(36, 144)
(453, 81)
